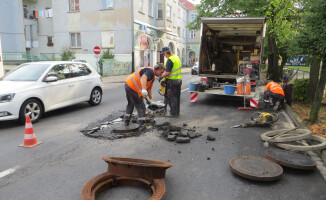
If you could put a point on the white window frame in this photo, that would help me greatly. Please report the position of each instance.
(73, 5)
(192, 34)
(107, 4)
(150, 8)
(193, 17)
(107, 38)
(77, 39)
(160, 10)
(141, 6)
(168, 12)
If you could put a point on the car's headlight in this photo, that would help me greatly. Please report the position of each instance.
(6, 97)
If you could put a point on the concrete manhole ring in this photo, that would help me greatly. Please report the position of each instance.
(291, 136)
(290, 159)
(106, 180)
(256, 168)
(316, 147)
(121, 128)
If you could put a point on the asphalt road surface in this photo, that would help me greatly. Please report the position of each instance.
(60, 166)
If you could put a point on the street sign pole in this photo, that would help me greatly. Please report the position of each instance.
(97, 51)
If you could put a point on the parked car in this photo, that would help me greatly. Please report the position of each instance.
(77, 60)
(38, 87)
(194, 69)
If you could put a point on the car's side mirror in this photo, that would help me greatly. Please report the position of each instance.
(51, 79)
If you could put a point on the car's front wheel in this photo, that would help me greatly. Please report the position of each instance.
(33, 108)
(96, 97)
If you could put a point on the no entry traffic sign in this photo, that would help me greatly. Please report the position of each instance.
(97, 50)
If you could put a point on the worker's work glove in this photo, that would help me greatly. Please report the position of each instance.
(149, 102)
(144, 92)
(160, 78)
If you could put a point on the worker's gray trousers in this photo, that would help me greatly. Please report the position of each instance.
(173, 95)
(134, 101)
(276, 97)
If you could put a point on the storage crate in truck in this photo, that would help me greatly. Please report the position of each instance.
(231, 50)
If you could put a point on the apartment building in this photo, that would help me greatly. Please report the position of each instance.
(134, 30)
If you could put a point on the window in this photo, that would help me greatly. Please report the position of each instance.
(193, 17)
(25, 11)
(159, 11)
(184, 33)
(107, 39)
(179, 32)
(60, 71)
(192, 34)
(179, 13)
(73, 5)
(173, 20)
(75, 40)
(141, 6)
(168, 12)
(50, 41)
(150, 8)
(107, 4)
(79, 70)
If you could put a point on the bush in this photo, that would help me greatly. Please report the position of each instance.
(107, 54)
(300, 89)
(67, 55)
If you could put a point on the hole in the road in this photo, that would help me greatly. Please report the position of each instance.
(112, 127)
(125, 192)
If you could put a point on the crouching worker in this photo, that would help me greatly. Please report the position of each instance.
(273, 94)
(139, 85)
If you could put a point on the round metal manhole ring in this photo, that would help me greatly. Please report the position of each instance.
(256, 168)
(290, 159)
(137, 168)
(121, 128)
(105, 181)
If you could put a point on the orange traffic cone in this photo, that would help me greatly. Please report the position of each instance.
(29, 137)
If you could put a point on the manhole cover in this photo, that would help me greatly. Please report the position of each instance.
(290, 159)
(256, 168)
(121, 128)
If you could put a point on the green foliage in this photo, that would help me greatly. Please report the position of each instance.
(67, 54)
(107, 55)
(300, 89)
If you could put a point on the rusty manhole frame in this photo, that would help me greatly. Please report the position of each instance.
(106, 180)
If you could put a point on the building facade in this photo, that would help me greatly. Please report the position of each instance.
(133, 30)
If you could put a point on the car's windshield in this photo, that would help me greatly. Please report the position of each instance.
(27, 72)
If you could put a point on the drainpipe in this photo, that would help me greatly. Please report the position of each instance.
(132, 37)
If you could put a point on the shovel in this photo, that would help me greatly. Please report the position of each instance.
(151, 106)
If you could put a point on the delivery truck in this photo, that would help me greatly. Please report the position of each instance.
(230, 55)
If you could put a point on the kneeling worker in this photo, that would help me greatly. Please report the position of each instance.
(139, 85)
(273, 94)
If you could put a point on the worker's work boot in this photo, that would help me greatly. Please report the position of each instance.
(271, 101)
(277, 105)
(126, 119)
(142, 125)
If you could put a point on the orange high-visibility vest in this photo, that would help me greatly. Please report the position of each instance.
(133, 81)
(275, 88)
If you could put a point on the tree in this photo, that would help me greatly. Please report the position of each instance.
(67, 54)
(313, 35)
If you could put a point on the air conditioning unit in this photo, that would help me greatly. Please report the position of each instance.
(189, 47)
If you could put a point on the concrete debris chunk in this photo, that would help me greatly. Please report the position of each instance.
(174, 133)
(184, 133)
(210, 137)
(175, 128)
(171, 137)
(192, 134)
(213, 128)
(183, 140)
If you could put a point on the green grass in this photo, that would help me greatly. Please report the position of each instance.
(301, 68)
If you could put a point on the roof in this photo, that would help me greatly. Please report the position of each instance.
(187, 4)
(244, 26)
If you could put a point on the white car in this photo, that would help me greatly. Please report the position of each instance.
(38, 87)
(194, 69)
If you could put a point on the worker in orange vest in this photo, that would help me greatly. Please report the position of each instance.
(273, 94)
(138, 86)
